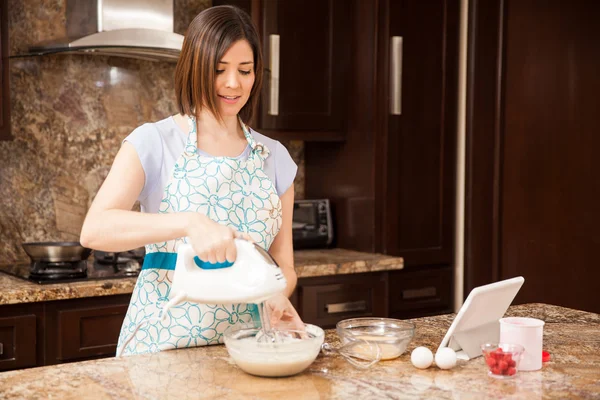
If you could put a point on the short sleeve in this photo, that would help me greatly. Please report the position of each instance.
(148, 144)
(285, 169)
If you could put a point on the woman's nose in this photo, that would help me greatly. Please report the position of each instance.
(232, 80)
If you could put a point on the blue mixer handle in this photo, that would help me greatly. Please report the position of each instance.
(208, 265)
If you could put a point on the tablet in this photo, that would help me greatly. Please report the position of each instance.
(477, 320)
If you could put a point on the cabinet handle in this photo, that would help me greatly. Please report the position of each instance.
(396, 76)
(1, 349)
(429, 291)
(274, 80)
(346, 307)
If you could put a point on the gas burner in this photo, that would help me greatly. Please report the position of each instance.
(102, 266)
(131, 268)
(112, 258)
(54, 271)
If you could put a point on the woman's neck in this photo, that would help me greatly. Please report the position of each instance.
(228, 128)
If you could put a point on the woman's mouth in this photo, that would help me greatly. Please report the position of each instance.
(230, 99)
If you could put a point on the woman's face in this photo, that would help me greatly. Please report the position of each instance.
(235, 77)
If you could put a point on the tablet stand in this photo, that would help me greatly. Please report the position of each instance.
(477, 320)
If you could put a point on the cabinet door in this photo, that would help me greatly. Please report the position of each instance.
(20, 336)
(418, 51)
(84, 328)
(419, 293)
(306, 50)
(325, 301)
(17, 342)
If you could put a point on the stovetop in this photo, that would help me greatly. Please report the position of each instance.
(100, 266)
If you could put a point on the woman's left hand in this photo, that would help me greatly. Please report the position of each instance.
(283, 314)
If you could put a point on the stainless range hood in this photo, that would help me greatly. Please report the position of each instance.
(127, 28)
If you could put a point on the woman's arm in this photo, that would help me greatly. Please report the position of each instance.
(282, 248)
(110, 225)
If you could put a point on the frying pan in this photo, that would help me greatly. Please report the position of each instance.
(56, 251)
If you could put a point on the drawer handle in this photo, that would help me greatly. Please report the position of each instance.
(1, 349)
(396, 75)
(274, 67)
(346, 307)
(420, 293)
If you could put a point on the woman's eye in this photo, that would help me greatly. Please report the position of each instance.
(220, 71)
(245, 72)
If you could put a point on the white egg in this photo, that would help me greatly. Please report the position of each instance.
(421, 357)
(445, 358)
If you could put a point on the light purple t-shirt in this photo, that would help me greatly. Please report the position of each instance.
(159, 145)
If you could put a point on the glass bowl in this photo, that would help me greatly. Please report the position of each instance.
(391, 335)
(291, 352)
(502, 359)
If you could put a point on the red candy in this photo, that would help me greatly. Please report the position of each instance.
(501, 363)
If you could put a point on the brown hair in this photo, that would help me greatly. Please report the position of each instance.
(208, 37)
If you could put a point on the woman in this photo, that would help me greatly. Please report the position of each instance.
(204, 177)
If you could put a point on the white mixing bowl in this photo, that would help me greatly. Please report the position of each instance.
(291, 354)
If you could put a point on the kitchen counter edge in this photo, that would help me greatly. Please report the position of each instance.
(308, 264)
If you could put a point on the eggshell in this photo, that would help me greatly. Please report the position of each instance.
(421, 357)
(445, 358)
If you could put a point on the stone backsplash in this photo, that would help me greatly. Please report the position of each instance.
(69, 114)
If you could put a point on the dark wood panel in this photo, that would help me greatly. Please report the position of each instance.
(89, 332)
(245, 5)
(83, 329)
(420, 292)
(5, 129)
(313, 65)
(18, 338)
(344, 172)
(420, 147)
(21, 334)
(532, 189)
(550, 185)
(325, 301)
(310, 136)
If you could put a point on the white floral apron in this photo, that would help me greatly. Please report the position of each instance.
(233, 192)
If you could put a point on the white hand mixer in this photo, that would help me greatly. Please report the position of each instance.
(252, 278)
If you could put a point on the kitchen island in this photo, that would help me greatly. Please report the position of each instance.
(572, 337)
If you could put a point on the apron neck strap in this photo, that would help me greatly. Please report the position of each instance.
(192, 140)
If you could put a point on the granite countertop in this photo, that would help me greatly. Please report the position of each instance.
(308, 263)
(572, 337)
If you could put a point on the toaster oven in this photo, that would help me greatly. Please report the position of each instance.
(311, 226)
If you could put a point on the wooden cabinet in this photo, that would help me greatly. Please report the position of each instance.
(418, 65)
(20, 336)
(532, 126)
(307, 62)
(306, 50)
(82, 329)
(392, 183)
(324, 301)
(420, 293)
(38, 334)
(5, 131)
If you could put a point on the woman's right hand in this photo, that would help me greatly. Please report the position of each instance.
(211, 241)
